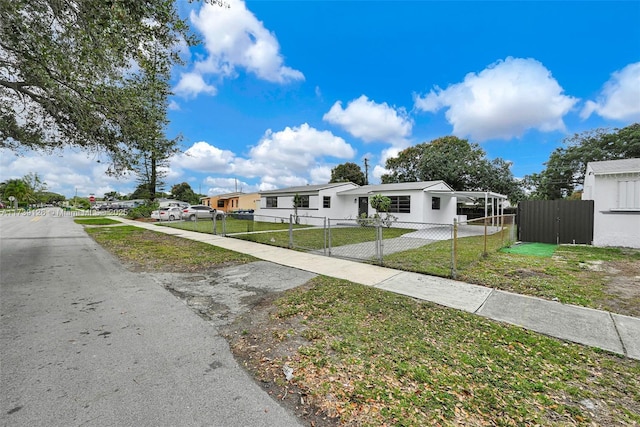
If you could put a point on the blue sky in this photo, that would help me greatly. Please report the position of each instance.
(280, 92)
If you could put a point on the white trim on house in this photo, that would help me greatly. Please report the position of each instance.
(614, 187)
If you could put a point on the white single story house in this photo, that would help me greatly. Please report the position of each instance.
(614, 187)
(432, 202)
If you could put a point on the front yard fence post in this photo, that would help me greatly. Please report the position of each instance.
(485, 238)
(290, 231)
(325, 231)
(454, 247)
(329, 236)
(379, 244)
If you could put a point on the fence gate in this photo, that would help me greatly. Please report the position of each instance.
(556, 221)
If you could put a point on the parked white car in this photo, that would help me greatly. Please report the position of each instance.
(167, 214)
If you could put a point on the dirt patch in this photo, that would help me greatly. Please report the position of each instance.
(222, 295)
(622, 285)
(258, 341)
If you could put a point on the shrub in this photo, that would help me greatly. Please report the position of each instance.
(142, 211)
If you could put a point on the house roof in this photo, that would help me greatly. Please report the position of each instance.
(227, 195)
(615, 166)
(401, 186)
(305, 188)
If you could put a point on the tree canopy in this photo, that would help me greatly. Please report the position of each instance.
(67, 67)
(17, 188)
(457, 162)
(185, 193)
(348, 172)
(566, 167)
(28, 189)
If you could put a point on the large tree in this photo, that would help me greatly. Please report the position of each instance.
(149, 149)
(66, 68)
(564, 171)
(348, 172)
(185, 193)
(460, 164)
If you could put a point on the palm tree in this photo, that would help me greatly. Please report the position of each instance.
(18, 189)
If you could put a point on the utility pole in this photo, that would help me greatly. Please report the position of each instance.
(366, 171)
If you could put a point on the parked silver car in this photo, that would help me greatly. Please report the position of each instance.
(194, 212)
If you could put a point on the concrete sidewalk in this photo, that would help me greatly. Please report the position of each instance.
(596, 328)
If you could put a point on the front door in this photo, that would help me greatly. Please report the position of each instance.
(363, 206)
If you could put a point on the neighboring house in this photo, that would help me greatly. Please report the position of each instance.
(432, 202)
(232, 201)
(614, 187)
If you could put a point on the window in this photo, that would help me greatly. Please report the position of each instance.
(326, 202)
(628, 194)
(400, 204)
(272, 202)
(304, 201)
(220, 203)
(435, 203)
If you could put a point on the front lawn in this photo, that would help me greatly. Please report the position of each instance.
(148, 250)
(366, 357)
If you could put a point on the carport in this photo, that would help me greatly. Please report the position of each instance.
(494, 203)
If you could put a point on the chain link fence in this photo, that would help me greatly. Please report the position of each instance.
(437, 249)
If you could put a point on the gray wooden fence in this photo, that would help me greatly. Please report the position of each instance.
(556, 221)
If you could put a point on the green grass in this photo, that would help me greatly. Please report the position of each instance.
(314, 238)
(149, 250)
(95, 221)
(436, 258)
(388, 360)
(232, 226)
(276, 233)
(535, 249)
(564, 276)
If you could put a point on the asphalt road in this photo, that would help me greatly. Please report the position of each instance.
(84, 342)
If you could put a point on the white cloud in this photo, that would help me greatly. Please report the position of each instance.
(378, 171)
(67, 172)
(320, 174)
(502, 101)
(235, 38)
(296, 148)
(620, 96)
(191, 84)
(370, 121)
(225, 185)
(293, 156)
(203, 157)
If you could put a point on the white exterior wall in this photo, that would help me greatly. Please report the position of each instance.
(420, 207)
(314, 214)
(610, 227)
(447, 212)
